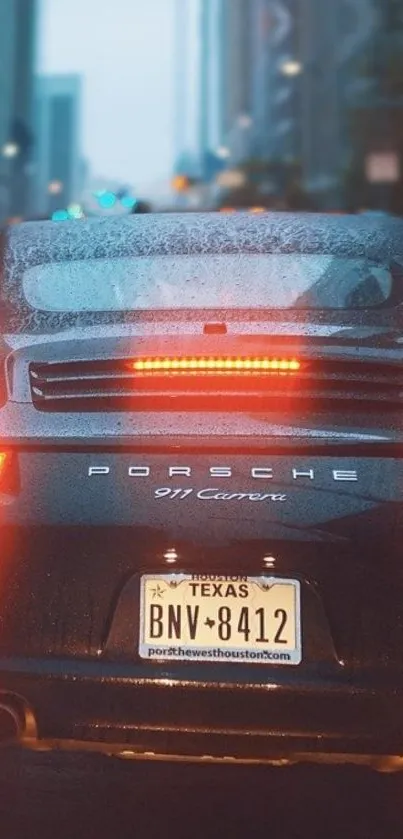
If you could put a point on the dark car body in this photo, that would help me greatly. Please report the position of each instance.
(228, 479)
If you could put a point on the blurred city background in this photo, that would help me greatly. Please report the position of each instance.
(124, 106)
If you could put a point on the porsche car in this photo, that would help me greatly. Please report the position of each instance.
(201, 487)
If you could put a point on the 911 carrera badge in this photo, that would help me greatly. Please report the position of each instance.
(215, 494)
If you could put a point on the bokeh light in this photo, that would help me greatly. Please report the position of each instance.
(107, 200)
(60, 215)
(128, 201)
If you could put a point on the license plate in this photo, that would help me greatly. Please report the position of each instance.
(253, 620)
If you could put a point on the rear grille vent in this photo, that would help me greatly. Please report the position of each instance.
(111, 385)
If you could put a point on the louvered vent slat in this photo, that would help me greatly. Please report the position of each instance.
(110, 384)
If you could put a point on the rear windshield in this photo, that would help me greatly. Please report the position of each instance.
(222, 281)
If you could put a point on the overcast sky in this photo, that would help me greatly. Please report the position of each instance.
(124, 50)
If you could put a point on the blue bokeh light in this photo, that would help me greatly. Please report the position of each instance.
(107, 200)
(60, 215)
(129, 202)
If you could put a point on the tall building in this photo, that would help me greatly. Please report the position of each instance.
(276, 35)
(249, 93)
(249, 64)
(305, 80)
(211, 76)
(332, 43)
(58, 157)
(18, 20)
(186, 107)
(283, 80)
(247, 103)
(226, 62)
(261, 75)
(212, 135)
(180, 80)
(237, 58)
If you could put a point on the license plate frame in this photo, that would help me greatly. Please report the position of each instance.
(165, 631)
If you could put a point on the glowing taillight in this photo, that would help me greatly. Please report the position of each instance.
(3, 461)
(3, 388)
(8, 473)
(207, 364)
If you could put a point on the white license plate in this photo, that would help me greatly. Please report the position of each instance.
(253, 620)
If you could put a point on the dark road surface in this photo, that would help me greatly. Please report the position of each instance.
(79, 797)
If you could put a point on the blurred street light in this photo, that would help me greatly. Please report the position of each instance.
(231, 179)
(128, 201)
(382, 167)
(10, 150)
(291, 68)
(223, 152)
(106, 200)
(55, 187)
(244, 121)
(180, 183)
(75, 211)
(60, 215)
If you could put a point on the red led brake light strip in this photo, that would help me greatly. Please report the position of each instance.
(215, 365)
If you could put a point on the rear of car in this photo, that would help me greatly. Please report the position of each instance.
(201, 482)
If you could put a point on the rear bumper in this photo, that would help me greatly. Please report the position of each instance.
(104, 707)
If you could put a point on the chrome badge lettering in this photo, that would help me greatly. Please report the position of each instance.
(257, 473)
(215, 494)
